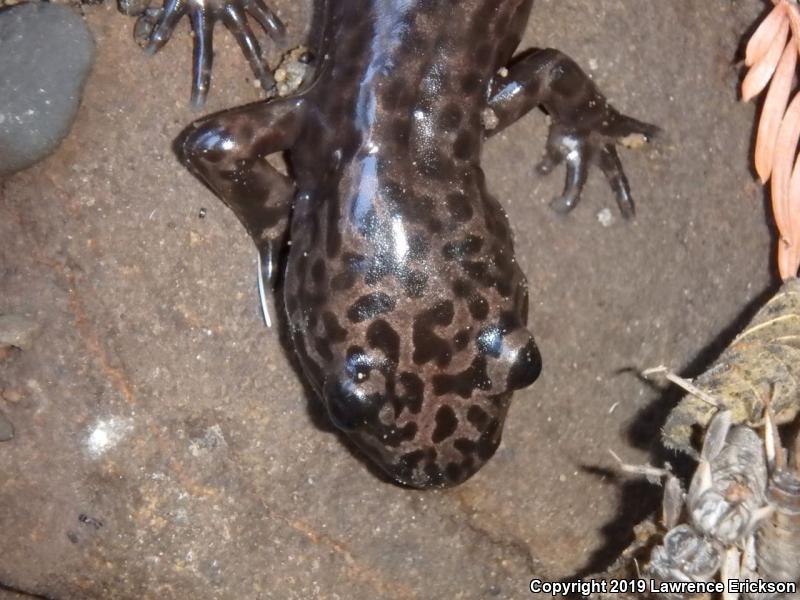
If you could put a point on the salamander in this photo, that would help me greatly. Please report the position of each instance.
(407, 310)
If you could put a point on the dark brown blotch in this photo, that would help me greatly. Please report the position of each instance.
(465, 146)
(453, 472)
(369, 306)
(434, 474)
(459, 207)
(450, 117)
(477, 416)
(460, 249)
(465, 446)
(465, 382)
(418, 246)
(382, 336)
(508, 322)
(318, 271)
(323, 348)
(378, 267)
(489, 440)
(461, 340)
(428, 345)
(462, 288)
(333, 331)
(471, 83)
(478, 272)
(343, 281)
(333, 242)
(478, 307)
(415, 284)
(411, 460)
(394, 436)
(413, 392)
(400, 130)
(446, 424)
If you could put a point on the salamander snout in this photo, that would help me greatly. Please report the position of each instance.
(438, 432)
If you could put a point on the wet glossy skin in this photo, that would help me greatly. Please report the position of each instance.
(406, 306)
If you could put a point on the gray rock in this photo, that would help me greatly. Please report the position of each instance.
(46, 52)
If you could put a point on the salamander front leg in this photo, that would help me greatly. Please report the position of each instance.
(585, 128)
(227, 152)
(156, 26)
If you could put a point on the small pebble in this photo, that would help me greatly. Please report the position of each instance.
(46, 52)
(292, 70)
(132, 8)
(489, 119)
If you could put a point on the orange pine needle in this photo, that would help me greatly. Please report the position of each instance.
(760, 73)
(761, 40)
(783, 260)
(793, 223)
(785, 148)
(793, 13)
(771, 57)
(773, 111)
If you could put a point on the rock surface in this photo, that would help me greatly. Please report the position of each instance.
(164, 446)
(6, 429)
(46, 52)
(17, 331)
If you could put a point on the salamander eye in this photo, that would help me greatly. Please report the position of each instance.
(526, 367)
(356, 394)
(490, 341)
(349, 406)
(358, 365)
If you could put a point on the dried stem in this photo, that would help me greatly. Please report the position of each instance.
(686, 384)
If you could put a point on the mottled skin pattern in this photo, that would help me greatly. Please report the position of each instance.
(407, 309)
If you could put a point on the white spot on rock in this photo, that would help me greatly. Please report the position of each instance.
(606, 217)
(105, 435)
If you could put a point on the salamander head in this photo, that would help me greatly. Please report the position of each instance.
(430, 430)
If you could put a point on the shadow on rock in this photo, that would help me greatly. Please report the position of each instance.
(639, 498)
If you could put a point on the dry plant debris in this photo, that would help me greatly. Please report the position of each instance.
(763, 362)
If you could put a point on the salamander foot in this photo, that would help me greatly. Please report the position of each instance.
(581, 148)
(155, 28)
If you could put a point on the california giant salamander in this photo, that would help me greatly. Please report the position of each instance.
(405, 304)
